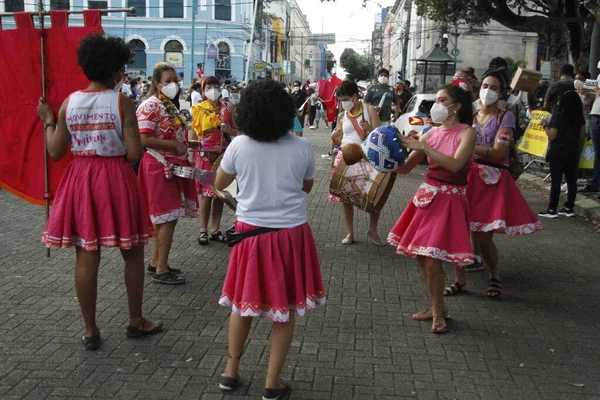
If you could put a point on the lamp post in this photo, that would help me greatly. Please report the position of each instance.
(254, 10)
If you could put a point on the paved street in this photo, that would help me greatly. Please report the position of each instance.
(538, 341)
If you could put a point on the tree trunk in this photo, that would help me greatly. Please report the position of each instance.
(558, 50)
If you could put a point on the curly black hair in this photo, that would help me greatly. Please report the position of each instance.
(101, 56)
(266, 112)
(458, 95)
(347, 88)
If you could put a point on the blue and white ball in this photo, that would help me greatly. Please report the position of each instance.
(383, 148)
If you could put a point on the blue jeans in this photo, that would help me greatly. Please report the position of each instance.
(595, 134)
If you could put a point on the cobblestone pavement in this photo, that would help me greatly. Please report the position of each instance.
(538, 341)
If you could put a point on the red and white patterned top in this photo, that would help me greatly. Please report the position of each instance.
(153, 119)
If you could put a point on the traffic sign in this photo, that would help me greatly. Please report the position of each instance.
(259, 67)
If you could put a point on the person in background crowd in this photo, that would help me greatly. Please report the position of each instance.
(276, 266)
(594, 185)
(586, 97)
(98, 202)
(321, 113)
(300, 101)
(558, 88)
(196, 95)
(170, 197)
(313, 98)
(404, 95)
(214, 125)
(126, 88)
(566, 133)
(495, 201)
(535, 99)
(328, 156)
(376, 92)
(199, 71)
(354, 124)
(440, 205)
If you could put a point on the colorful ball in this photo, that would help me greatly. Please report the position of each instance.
(383, 148)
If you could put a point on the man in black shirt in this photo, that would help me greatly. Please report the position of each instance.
(556, 89)
(299, 100)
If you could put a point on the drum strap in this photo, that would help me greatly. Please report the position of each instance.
(357, 127)
(234, 237)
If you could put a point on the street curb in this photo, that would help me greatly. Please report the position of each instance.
(585, 206)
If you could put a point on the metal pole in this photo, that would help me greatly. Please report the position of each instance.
(251, 40)
(408, 9)
(46, 172)
(205, 45)
(194, 8)
(125, 20)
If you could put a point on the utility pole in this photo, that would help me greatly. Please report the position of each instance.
(249, 56)
(194, 9)
(205, 45)
(125, 20)
(408, 9)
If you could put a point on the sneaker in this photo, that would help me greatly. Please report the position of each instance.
(312, 127)
(325, 156)
(588, 189)
(277, 394)
(563, 188)
(567, 212)
(476, 266)
(548, 214)
(228, 384)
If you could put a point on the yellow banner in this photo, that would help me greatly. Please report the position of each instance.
(586, 161)
(535, 140)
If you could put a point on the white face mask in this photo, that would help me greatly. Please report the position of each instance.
(382, 79)
(170, 90)
(119, 84)
(439, 113)
(295, 89)
(347, 105)
(488, 96)
(578, 84)
(212, 94)
(476, 105)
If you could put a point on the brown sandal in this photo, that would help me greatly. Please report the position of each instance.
(203, 238)
(455, 288)
(427, 315)
(439, 325)
(218, 237)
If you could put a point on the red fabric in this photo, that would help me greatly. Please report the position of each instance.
(21, 131)
(331, 103)
(273, 274)
(98, 204)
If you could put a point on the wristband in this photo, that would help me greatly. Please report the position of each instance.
(47, 125)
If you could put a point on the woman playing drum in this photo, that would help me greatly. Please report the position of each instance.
(170, 197)
(435, 225)
(214, 124)
(352, 127)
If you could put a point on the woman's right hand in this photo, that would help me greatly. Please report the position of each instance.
(181, 148)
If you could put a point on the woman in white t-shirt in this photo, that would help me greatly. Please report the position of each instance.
(273, 273)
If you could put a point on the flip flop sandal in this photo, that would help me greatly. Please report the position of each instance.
(152, 270)
(138, 331)
(427, 315)
(203, 238)
(92, 342)
(228, 384)
(168, 278)
(455, 288)
(494, 288)
(218, 237)
(439, 325)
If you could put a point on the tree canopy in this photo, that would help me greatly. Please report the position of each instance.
(356, 64)
(331, 62)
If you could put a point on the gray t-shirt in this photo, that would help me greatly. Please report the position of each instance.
(374, 95)
(557, 89)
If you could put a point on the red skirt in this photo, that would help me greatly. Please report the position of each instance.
(496, 203)
(435, 224)
(202, 162)
(270, 274)
(98, 203)
(168, 198)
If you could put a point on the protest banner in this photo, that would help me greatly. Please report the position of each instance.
(535, 140)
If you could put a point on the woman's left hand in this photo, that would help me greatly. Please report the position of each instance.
(412, 143)
(364, 125)
(45, 112)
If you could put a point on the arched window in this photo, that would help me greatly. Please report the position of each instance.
(174, 53)
(139, 57)
(223, 61)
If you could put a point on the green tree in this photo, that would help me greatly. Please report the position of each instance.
(331, 62)
(513, 65)
(356, 64)
(566, 25)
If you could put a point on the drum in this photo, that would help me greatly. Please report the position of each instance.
(228, 195)
(361, 185)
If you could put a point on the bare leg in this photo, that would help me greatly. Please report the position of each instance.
(238, 332)
(154, 260)
(281, 339)
(205, 206)
(435, 286)
(489, 252)
(348, 212)
(134, 281)
(86, 286)
(216, 214)
(164, 235)
(373, 222)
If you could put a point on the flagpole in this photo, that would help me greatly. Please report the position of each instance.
(255, 8)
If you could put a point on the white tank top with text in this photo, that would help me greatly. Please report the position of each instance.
(94, 122)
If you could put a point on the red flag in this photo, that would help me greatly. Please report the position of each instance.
(21, 130)
(332, 104)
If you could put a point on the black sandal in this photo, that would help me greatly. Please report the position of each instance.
(137, 331)
(218, 237)
(168, 278)
(494, 288)
(152, 270)
(455, 288)
(92, 342)
(203, 238)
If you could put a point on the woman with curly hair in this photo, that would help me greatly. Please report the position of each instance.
(164, 132)
(98, 202)
(274, 270)
(214, 124)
